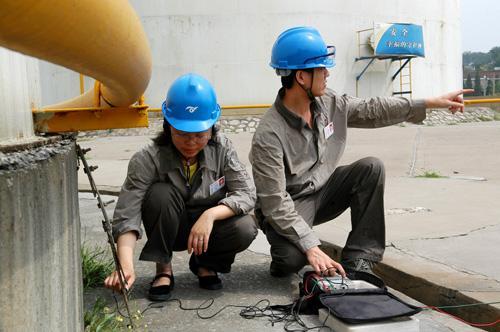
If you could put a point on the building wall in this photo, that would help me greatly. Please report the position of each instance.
(230, 43)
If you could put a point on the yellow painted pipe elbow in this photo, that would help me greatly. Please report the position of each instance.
(103, 39)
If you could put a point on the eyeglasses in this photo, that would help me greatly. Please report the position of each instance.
(330, 54)
(197, 138)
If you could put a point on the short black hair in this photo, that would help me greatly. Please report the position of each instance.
(164, 138)
(288, 81)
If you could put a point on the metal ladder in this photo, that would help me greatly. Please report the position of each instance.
(404, 72)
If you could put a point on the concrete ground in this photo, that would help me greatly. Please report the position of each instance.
(248, 283)
(442, 233)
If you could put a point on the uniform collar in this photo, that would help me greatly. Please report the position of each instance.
(170, 159)
(290, 117)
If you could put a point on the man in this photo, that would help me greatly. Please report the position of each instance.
(295, 152)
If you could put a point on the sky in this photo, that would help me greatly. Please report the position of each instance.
(480, 25)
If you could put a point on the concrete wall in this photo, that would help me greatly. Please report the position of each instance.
(230, 43)
(40, 271)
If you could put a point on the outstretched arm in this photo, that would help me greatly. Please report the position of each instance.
(451, 100)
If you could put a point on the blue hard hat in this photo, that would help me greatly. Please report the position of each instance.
(191, 104)
(301, 48)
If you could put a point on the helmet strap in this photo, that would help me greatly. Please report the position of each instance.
(308, 90)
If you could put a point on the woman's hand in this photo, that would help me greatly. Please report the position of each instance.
(200, 233)
(125, 251)
(113, 280)
(201, 230)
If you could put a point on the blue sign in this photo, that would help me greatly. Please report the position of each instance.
(399, 39)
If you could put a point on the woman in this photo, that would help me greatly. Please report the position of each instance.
(191, 192)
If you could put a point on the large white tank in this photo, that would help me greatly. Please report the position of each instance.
(230, 42)
(19, 93)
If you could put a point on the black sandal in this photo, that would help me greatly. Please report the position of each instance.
(161, 293)
(207, 282)
(210, 282)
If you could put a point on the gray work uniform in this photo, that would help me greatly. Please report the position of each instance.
(294, 170)
(157, 193)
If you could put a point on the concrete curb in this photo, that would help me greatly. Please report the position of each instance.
(442, 286)
(103, 190)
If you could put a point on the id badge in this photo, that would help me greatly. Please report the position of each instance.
(217, 185)
(328, 130)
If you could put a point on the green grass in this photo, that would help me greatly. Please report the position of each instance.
(431, 175)
(496, 116)
(96, 266)
(100, 319)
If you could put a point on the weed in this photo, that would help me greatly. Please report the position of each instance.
(99, 318)
(431, 175)
(96, 266)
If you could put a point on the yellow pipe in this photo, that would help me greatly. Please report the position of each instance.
(101, 39)
(481, 101)
(82, 84)
(238, 107)
(234, 107)
(227, 107)
(82, 109)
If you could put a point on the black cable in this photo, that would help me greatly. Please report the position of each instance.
(289, 313)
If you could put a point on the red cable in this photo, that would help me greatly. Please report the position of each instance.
(306, 282)
(462, 320)
(310, 293)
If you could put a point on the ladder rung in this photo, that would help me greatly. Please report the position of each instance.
(401, 92)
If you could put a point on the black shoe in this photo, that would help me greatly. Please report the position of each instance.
(161, 293)
(358, 265)
(210, 282)
(277, 272)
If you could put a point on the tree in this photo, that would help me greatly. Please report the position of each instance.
(476, 59)
(468, 82)
(478, 91)
(489, 88)
(495, 56)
